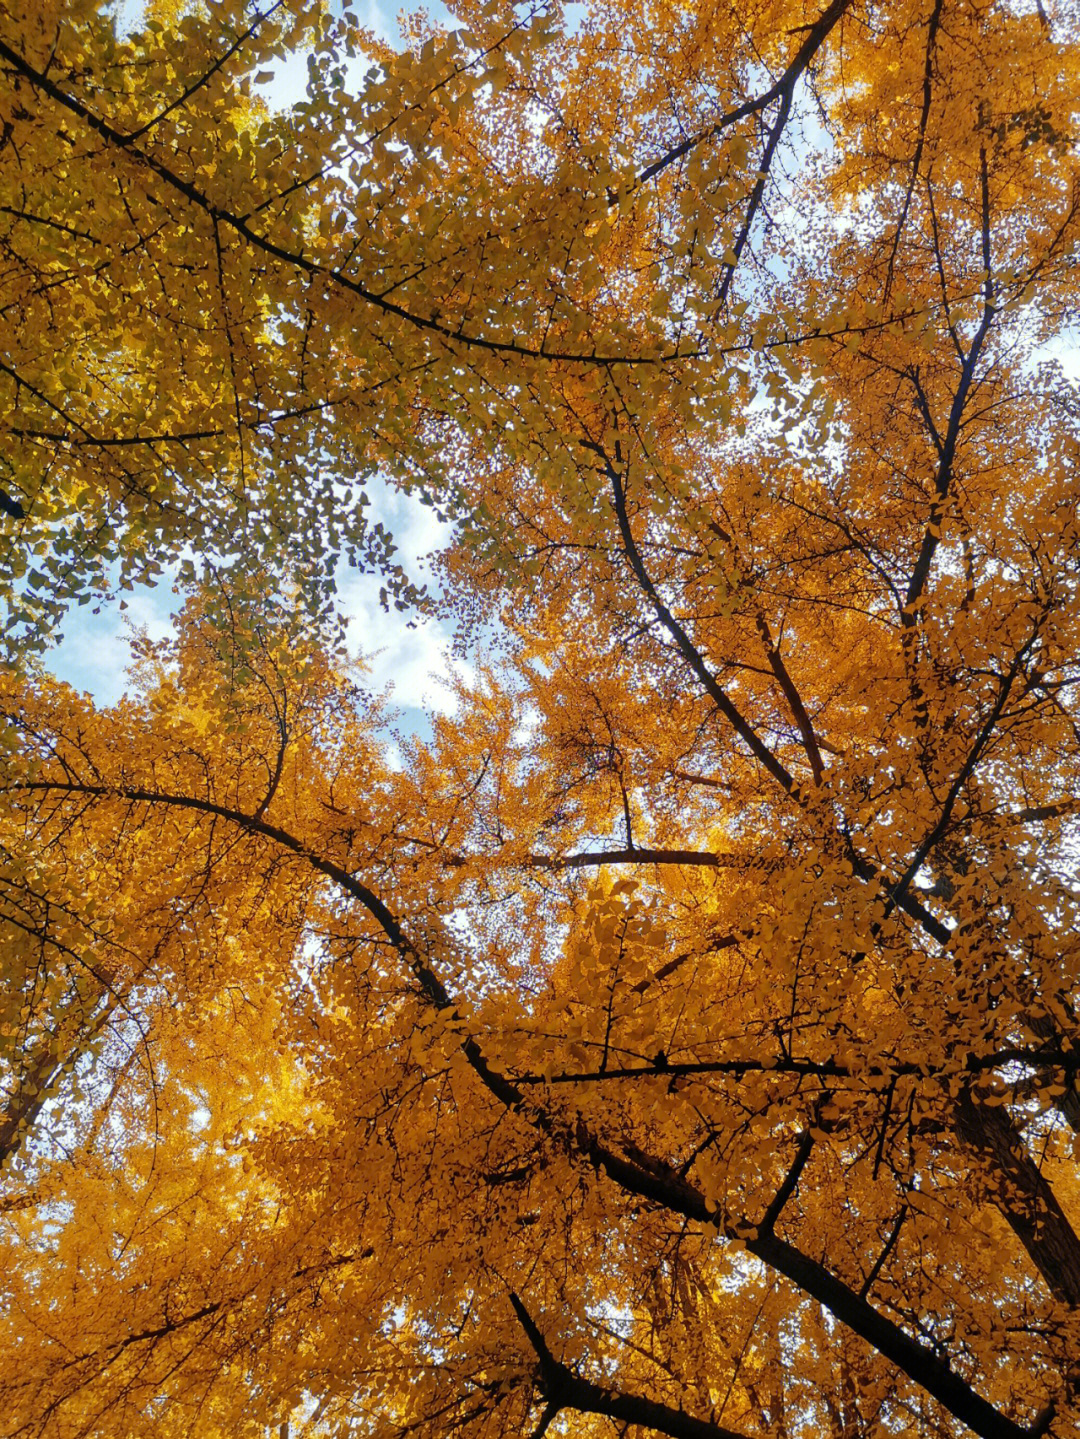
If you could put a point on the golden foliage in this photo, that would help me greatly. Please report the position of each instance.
(683, 1037)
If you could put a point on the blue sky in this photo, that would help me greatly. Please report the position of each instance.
(410, 665)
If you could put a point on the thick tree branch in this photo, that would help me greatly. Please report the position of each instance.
(927, 97)
(637, 855)
(689, 651)
(798, 710)
(658, 1184)
(566, 1390)
(948, 445)
(863, 868)
(1022, 1195)
(242, 227)
(887, 1249)
(816, 36)
(787, 1189)
(961, 778)
(1046, 1057)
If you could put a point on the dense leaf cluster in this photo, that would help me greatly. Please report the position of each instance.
(682, 1038)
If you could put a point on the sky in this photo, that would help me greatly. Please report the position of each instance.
(410, 665)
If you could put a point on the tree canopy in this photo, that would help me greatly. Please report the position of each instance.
(682, 1038)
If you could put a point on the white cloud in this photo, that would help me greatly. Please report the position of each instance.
(96, 649)
(413, 665)
(1065, 348)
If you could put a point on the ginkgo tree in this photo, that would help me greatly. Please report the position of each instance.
(682, 1039)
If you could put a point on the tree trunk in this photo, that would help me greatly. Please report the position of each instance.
(1022, 1195)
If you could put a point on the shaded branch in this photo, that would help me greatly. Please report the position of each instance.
(566, 1390)
(816, 35)
(787, 1189)
(296, 259)
(658, 1184)
(636, 855)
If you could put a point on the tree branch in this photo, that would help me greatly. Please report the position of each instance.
(659, 1184)
(566, 1390)
(815, 37)
(240, 225)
